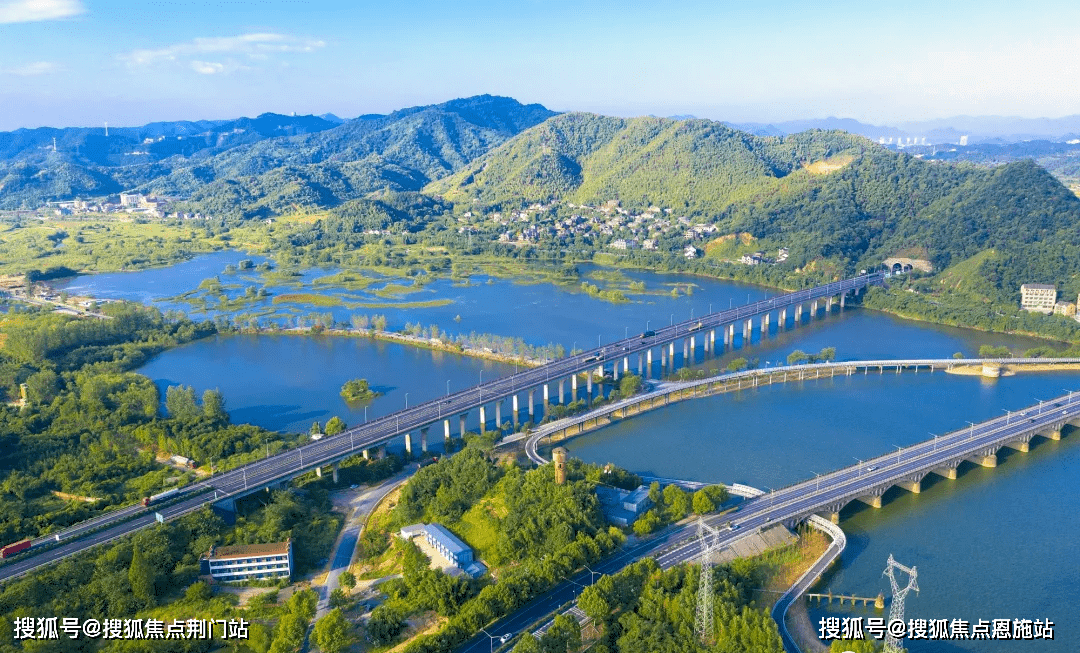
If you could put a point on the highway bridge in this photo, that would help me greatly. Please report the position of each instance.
(669, 392)
(223, 489)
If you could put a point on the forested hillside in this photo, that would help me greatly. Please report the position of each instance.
(265, 166)
(691, 165)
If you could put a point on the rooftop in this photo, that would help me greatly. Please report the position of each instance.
(249, 550)
(1038, 286)
(447, 539)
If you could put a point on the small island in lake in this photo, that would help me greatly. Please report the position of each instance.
(358, 390)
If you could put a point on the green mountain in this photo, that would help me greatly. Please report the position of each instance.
(690, 165)
(824, 194)
(280, 164)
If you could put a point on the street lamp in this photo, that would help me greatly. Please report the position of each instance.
(365, 414)
(594, 573)
(406, 401)
(935, 442)
(448, 387)
(1008, 415)
(817, 480)
(860, 465)
(481, 386)
(898, 450)
(729, 303)
(671, 320)
(492, 637)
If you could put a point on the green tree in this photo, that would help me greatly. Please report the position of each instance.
(385, 625)
(332, 633)
(335, 425)
(702, 503)
(315, 428)
(213, 405)
(646, 523)
(629, 385)
(142, 576)
(347, 579)
(338, 598)
(737, 365)
(854, 646)
(676, 501)
(527, 644)
(797, 357)
(180, 402)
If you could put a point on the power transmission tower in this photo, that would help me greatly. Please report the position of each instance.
(896, 611)
(709, 539)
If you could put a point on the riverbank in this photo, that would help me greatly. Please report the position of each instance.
(1010, 370)
(401, 338)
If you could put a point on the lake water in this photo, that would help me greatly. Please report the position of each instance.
(995, 543)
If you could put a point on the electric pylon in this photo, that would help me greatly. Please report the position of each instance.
(896, 611)
(709, 539)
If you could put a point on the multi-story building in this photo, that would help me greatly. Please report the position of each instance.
(248, 562)
(1039, 297)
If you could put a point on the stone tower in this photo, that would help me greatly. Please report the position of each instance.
(558, 456)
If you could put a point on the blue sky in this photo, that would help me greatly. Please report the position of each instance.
(85, 62)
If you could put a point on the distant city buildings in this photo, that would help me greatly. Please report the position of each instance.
(1038, 297)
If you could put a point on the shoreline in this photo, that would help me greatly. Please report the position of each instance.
(399, 338)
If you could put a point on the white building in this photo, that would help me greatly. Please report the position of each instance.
(248, 562)
(690, 251)
(1039, 297)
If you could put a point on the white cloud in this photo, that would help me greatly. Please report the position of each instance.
(207, 67)
(253, 47)
(31, 69)
(29, 11)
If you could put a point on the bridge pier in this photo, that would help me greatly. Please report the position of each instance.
(531, 410)
(483, 419)
(663, 360)
(562, 385)
(366, 454)
(423, 446)
(813, 309)
(318, 470)
(915, 487)
(730, 340)
(640, 365)
(335, 467)
(588, 387)
(946, 472)
(671, 354)
(693, 350)
(514, 407)
(461, 422)
(1054, 434)
(498, 413)
(573, 389)
(765, 324)
(986, 461)
(712, 340)
(408, 445)
(874, 501)
(843, 296)
(797, 313)
(547, 399)
(446, 434)
(614, 371)
(1023, 446)
(782, 322)
(648, 363)
(685, 352)
(828, 304)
